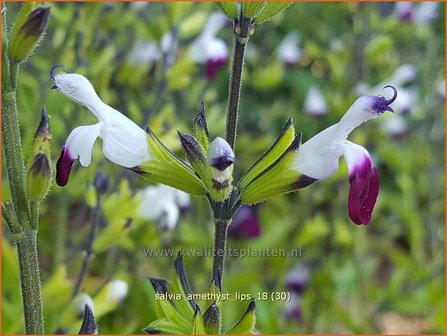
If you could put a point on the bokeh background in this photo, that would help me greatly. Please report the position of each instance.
(387, 277)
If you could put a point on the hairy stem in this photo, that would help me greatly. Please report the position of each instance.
(30, 282)
(240, 43)
(220, 240)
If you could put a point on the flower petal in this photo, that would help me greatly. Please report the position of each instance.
(79, 145)
(124, 142)
(79, 89)
(364, 181)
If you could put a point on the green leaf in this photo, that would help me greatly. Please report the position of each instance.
(165, 308)
(277, 179)
(270, 10)
(180, 285)
(247, 322)
(228, 8)
(252, 8)
(201, 128)
(280, 145)
(167, 168)
(197, 325)
(165, 326)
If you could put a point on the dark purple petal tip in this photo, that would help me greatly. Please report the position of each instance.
(53, 69)
(363, 193)
(63, 167)
(222, 162)
(381, 104)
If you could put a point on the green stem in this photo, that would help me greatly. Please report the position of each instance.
(240, 44)
(27, 240)
(30, 282)
(12, 147)
(220, 240)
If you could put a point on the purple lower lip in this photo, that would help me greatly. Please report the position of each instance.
(63, 167)
(363, 194)
(213, 66)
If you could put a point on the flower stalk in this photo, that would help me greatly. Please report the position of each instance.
(243, 28)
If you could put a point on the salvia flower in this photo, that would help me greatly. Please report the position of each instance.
(118, 290)
(318, 157)
(245, 223)
(289, 165)
(297, 279)
(124, 142)
(209, 49)
(315, 103)
(288, 51)
(163, 204)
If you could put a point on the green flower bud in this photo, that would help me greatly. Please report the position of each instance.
(38, 177)
(211, 319)
(27, 35)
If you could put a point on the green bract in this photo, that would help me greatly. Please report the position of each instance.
(167, 168)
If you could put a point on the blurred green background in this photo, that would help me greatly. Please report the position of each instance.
(372, 279)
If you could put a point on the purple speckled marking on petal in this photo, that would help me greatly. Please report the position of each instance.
(213, 66)
(63, 167)
(363, 193)
(245, 223)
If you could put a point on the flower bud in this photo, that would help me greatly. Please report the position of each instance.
(27, 36)
(211, 319)
(38, 177)
(101, 183)
(220, 159)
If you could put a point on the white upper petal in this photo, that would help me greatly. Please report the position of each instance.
(79, 89)
(318, 157)
(124, 142)
(80, 143)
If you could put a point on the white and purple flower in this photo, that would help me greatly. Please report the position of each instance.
(318, 157)
(245, 223)
(124, 142)
(209, 49)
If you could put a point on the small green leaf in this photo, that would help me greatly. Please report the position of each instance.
(165, 326)
(270, 10)
(167, 168)
(228, 8)
(197, 325)
(180, 285)
(251, 9)
(280, 145)
(247, 322)
(201, 128)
